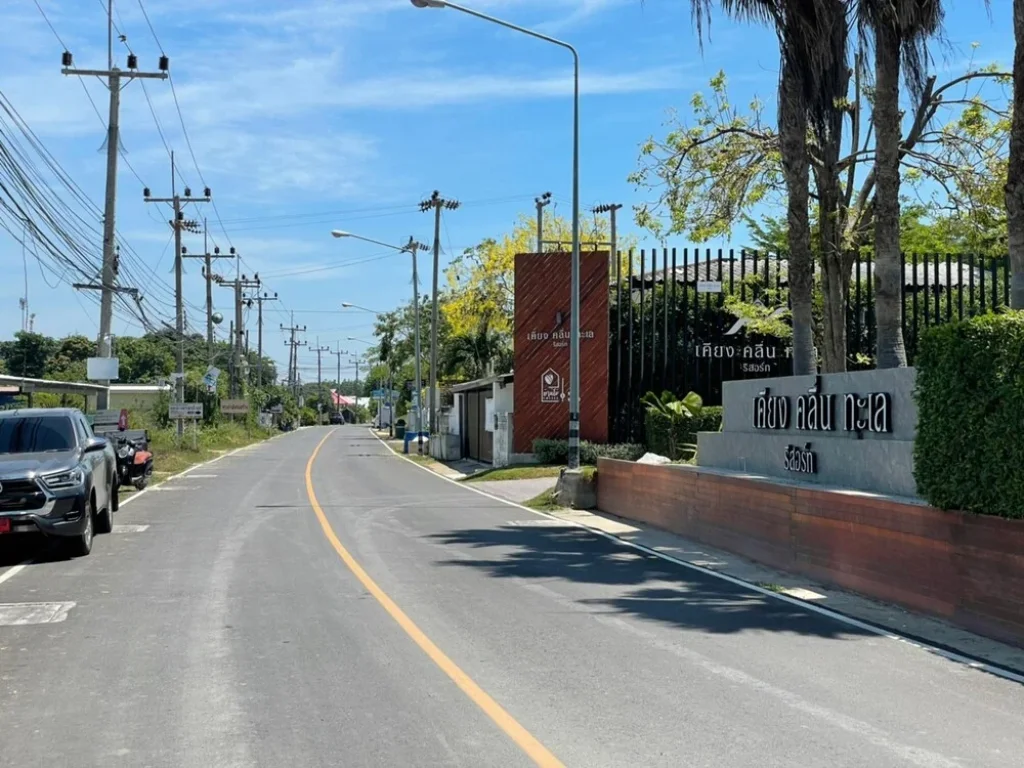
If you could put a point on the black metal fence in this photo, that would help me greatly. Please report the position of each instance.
(671, 328)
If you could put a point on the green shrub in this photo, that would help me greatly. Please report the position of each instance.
(591, 452)
(658, 430)
(969, 452)
(557, 451)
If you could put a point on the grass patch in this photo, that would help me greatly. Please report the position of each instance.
(170, 459)
(771, 587)
(544, 502)
(523, 472)
(589, 473)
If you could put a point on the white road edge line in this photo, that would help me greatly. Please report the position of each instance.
(14, 570)
(842, 618)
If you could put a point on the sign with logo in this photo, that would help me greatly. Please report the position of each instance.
(709, 286)
(234, 407)
(185, 411)
(211, 376)
(551, 387)
(543, 334)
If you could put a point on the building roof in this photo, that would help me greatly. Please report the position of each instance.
(49, 385)
(484, 383)
(139, 389)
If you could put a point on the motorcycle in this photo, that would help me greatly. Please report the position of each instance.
(134, 462)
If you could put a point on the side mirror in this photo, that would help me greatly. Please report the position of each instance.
(95, 444)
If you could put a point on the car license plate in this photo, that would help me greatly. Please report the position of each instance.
(5, 525)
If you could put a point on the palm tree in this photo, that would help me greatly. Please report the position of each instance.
(812, 78)
(475, 354)
(1015, 171)
(901, 29)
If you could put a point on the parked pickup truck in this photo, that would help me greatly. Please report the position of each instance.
(56, 477)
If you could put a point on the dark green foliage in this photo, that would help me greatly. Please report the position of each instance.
(969, 452)
(557, 451)
(658, 427)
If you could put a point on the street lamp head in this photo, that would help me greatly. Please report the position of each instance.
(346, 305)
(340, 233)
(429, 3)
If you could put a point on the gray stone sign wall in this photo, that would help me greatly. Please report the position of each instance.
(854, 430)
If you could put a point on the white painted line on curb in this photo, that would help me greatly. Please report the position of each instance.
(20, 614)
(129, 528)
(968, 661)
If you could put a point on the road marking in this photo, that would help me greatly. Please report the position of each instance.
(842, 618)
(128, 528)
(13, 571)
(540, 524)
(196, 477)
(522, 738)
(20, 614)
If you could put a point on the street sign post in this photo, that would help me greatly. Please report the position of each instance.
(234, 407)
(185, 411)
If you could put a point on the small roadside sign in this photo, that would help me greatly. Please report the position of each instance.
(234, 407)
(709, 286)
(106, 418)
(185, 410)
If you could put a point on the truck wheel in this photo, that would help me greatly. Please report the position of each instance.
(80, 546)
(105, 519)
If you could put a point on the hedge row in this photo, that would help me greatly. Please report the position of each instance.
(657, 426)
(969, 451)
(557, 451)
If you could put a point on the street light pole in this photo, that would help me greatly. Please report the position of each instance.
(574, 342)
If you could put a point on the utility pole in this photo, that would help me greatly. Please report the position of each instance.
(210, 277)
(238, 285)
(178, 224)
(355, 361)
(413, 247)
(259, 333)
(611, 209)
(293, 355)
(437, 203)
(541, 202)
(319, 376)
(114, 76)
(338, 352)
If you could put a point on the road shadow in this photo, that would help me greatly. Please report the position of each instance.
(633, 583)
(18, 548)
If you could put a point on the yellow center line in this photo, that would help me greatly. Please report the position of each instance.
(522, 737)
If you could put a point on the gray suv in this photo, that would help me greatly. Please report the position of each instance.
(56, 477)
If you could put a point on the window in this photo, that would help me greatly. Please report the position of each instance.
(36, 434)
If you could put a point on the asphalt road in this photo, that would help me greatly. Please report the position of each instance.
(402, 620)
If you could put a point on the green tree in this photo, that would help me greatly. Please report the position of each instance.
(1014, 194)
(29, 354)
(724, 166)
(901, 29)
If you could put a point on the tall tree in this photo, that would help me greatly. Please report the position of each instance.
(813, 56)
(1015, 171)
(901, 29)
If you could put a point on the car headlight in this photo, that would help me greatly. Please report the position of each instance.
(122, 452)
(69, 479)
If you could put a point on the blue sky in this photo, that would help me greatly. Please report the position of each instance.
(310, 115)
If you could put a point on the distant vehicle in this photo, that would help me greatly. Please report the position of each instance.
(337, 418)
(56, 477)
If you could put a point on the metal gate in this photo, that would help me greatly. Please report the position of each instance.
(478, 442)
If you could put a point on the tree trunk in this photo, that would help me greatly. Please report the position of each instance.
(793, 146)
(835, 270)
(889, 349)
(1015, 171)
